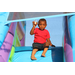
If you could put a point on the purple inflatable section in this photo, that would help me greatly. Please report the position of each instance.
(7, 44)
(67, 43)
(68, 53)
(23, 41)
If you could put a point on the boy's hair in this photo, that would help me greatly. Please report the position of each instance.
(41, 20)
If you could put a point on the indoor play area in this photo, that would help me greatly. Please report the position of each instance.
(16, 41)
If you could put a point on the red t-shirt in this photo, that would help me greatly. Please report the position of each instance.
(40, 36)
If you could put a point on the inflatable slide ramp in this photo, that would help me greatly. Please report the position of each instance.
(23, 54)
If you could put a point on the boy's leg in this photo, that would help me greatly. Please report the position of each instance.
(45, 50)
(46, 46)
(33, 53)
(35, 49)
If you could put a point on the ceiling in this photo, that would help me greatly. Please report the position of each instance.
(25, 15)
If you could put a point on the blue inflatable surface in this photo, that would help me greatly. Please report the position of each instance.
(72, 30)
(3, 17)
(23, 54)
(71, 22)
(3, 27)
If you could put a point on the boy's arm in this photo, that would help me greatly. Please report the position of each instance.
(32, 30)
(48, 40)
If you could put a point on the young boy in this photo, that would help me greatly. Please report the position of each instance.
(41, 38)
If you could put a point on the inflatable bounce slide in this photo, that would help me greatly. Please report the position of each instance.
(13, 35)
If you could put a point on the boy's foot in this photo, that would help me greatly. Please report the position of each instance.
(33, 58)
(43, 55)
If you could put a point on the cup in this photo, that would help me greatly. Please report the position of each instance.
(35, 21)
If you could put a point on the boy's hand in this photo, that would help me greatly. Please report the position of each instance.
(34, 23)
(52, 45)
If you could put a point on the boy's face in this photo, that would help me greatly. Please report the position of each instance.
(42, 25)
